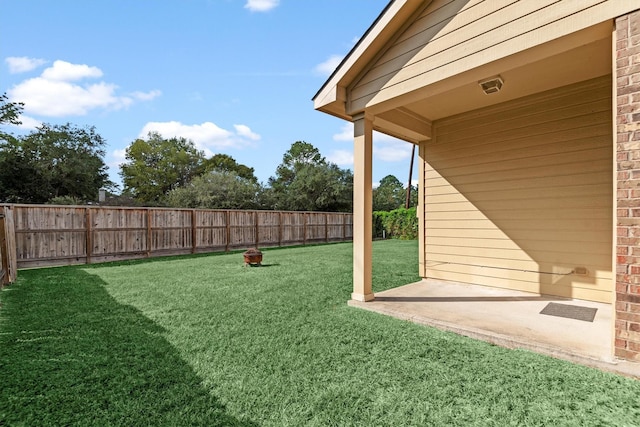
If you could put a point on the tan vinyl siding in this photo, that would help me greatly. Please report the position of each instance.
(453, 36)
(520, 194)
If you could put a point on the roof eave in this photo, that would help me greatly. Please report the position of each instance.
(331, 98)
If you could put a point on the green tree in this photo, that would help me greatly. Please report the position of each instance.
(323, 187)
(156, 166)
(225, 163)
(10, 111)
(305, 181)
(53, 161)
(216, 190)
(389, 195)
(413, 200)
(9, 115)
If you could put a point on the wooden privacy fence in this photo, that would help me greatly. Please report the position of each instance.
(47, 235)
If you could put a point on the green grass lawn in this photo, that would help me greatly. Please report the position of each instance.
(203, 340)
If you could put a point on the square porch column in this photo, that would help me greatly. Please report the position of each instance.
(362, 208)
(626, 88)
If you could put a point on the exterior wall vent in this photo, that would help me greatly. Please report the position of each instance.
(491, 85)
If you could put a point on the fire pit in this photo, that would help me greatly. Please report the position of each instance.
(252, 256)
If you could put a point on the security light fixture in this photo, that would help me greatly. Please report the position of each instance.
(491, 85)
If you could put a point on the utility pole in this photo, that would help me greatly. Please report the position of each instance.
(408, 201)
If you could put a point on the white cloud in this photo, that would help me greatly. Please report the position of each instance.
(341, 157)
(56, 99)
(389, 149)
(29, 123)
(116, 158)
(57, 92)
(146, 96)
(206, 136)
(385, 148)
(245, 131)
(327, 67)
(345, 134)
(261, 5)
(66, 71)
(21, 64)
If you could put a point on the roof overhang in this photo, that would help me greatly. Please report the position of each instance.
(566, 56)
(331, 98)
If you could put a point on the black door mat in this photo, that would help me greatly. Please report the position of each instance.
(570, 311)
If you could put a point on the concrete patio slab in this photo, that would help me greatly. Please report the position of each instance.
(507, 318)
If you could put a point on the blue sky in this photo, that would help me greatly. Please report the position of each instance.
(234, 76)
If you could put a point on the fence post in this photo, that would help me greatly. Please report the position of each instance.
(8, 253)
(280, 228)
(255, 217)
(326, 228)
(344, 227)
(304, 228)
(148, 232)
(194, 233)
(228, 230)
(4, 250)
(89, 237)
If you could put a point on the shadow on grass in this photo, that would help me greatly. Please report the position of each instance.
(264, 265)
(71, 355)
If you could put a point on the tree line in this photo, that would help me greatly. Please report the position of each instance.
(64, 164)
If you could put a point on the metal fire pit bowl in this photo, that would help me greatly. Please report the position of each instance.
(252, 257)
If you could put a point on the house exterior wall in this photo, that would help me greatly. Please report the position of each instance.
(519, 195)
(627, 306)
(451, 37)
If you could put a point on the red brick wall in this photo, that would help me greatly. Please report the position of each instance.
(627, 327)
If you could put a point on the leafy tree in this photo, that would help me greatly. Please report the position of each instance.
(413, 199)
(53, 161)
(216, 190)
(226, 163)
(300, 154)
(306, 181)
(389, 195)
(10, 111)
(113, 199)
(65, 200)
(323, 187)
(9, 115)
(156, 166)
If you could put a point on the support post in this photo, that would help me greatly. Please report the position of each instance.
(420, 210)
(362, 208)
(626, 143)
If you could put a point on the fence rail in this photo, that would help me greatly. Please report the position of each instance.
(48, 235)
